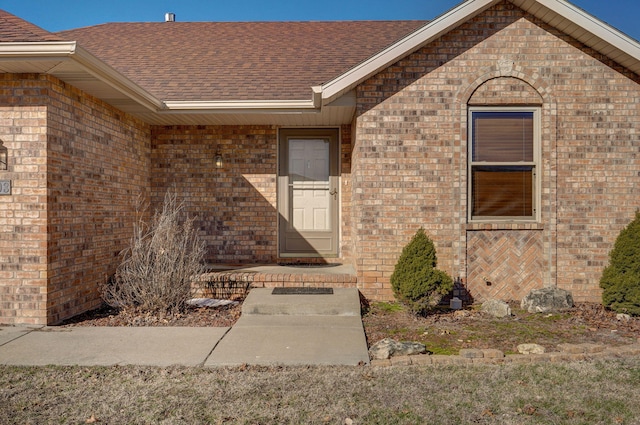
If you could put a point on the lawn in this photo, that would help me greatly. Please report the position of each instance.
(572, 393)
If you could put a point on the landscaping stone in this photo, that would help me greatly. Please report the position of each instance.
(471, 353)
(421, 360)
(442, 359)
(401, 361)
(388, 347)
(517, 358)
(496, 308)
(492, 353)
(623, 317)
(547, 300)
(570, 348)
(531, 349)
(380, 363)
(592, 348)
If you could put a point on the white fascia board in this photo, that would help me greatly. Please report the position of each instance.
(594, 25)
(409, 44)
(70, 51)
(249, 106)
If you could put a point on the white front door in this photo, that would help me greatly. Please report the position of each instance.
(308, 192)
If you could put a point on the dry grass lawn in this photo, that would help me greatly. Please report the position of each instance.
(600, 392)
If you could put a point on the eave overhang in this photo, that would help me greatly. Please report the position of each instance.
(332, 103)
(74, 65)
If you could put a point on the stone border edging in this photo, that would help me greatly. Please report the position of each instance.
(567, 353)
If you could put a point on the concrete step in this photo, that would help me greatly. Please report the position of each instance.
(292, 340)
(262, 301)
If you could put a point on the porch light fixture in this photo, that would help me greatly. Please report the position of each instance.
(218, 160)
(4, 154)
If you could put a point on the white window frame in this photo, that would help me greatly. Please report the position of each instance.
(536, 164)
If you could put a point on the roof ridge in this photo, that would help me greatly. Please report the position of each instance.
(176, 23)
(15, 29)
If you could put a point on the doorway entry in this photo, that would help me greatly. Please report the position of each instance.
(308, 195)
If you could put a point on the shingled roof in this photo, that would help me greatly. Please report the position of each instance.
(14, 29)
(236, 60)
(257, 73)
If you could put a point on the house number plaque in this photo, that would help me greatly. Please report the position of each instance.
(5, 187)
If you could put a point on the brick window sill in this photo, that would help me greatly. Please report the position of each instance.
(504, 225)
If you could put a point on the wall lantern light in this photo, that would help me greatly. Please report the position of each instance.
(218, 160)
(4, 154)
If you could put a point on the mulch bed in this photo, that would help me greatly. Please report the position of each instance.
(468, 328)
(194, 316)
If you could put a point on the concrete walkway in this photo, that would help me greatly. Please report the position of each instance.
(273, 330)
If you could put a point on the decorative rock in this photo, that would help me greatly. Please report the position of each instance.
(400, 361)
(491, 353)
(623, 317)
(547, 300)
(496, 308)
(382, 349)
(531, 349)
(592, 348)
(471, 353)
(570, 348)
(388, 347)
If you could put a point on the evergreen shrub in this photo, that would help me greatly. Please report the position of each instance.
(620, 280)
(416, 281)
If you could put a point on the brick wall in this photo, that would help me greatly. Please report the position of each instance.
(410, 154)
(236, 205)
(23, 214)
(76, 165)
(97, 166)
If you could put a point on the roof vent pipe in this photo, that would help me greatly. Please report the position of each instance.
(169, 17)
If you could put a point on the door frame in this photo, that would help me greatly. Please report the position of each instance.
(283, 193)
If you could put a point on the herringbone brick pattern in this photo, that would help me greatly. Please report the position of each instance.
(505, 265)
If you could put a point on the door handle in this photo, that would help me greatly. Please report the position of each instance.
(334, 192)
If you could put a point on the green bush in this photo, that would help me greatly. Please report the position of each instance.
(415, 280)
(621, 278)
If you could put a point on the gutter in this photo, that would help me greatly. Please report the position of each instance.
(43, 50)
(248, 106)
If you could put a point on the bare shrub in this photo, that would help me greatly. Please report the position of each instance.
(158, 268)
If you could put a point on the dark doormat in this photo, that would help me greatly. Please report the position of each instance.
(302, 291)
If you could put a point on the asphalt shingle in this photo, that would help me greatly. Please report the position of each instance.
(14, 29)
(236, 60)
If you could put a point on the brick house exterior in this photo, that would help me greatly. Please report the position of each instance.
(89, 131)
